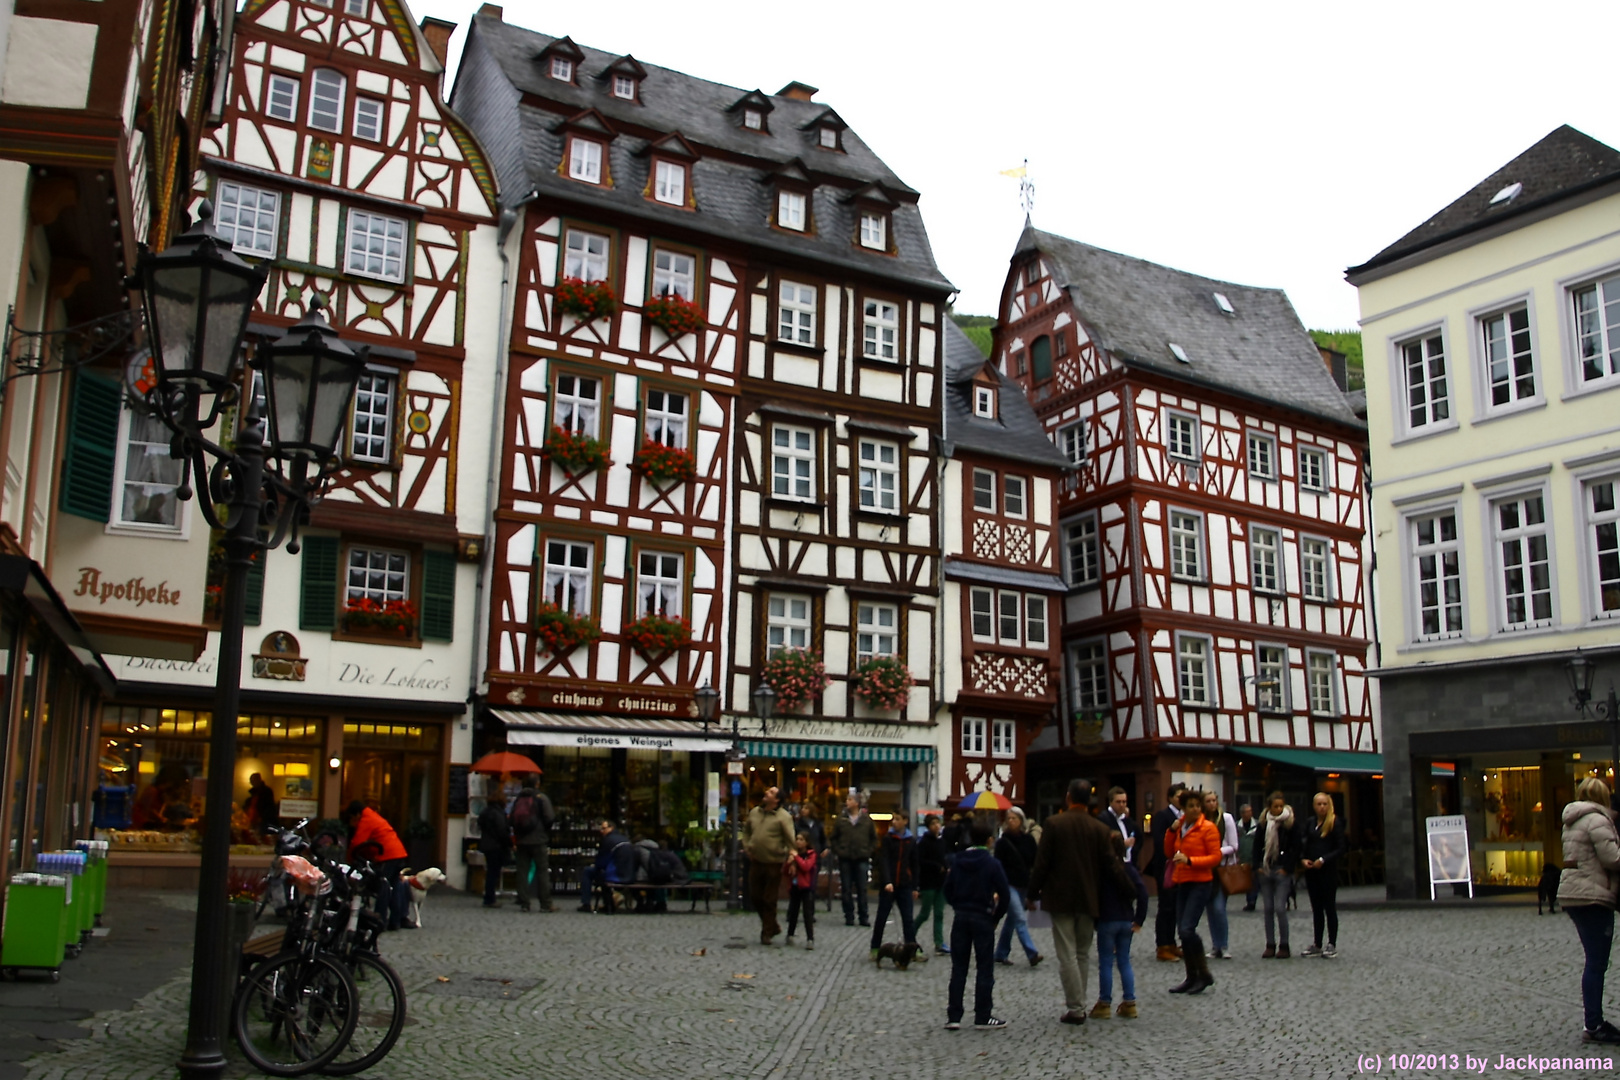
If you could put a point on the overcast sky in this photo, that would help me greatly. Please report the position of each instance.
(1268, 144)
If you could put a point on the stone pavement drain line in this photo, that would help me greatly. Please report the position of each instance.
(799, 1029)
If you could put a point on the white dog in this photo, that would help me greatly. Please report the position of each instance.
(419, 883)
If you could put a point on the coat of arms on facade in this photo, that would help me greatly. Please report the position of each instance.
(279, 658)
(1088, 731)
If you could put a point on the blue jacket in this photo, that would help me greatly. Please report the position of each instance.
(1114, 906)
(975, 878)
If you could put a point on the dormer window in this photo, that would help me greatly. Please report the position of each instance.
(829, 138)
(669, 182)
(790, 210)
(562, 69)
(753, 120)
(624, 86)
(984, 402)
(584, 160)
(875, 231)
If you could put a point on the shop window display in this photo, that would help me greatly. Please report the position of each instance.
(1510, 840)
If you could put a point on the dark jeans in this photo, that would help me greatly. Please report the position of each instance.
(852, 875)
(802, 900)
(972, 933)
(592, 879)
(764, 886)
(494, 863)
(1595, 924)
(534, 862)
(1324, 889)
(1192, 898)
(1164, 922)
(393, 902)
(888, 901)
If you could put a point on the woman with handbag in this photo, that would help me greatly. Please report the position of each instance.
(1586, 888)
(1225, 876)
(1322, 846)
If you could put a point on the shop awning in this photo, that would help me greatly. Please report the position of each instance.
(526, 728)
(837, 751)
(1339, 761)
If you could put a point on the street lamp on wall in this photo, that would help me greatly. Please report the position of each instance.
(1581, 670)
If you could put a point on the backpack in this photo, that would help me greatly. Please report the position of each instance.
(524, 815)
(665, 868)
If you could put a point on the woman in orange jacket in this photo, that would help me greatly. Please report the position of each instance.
(1194, 847)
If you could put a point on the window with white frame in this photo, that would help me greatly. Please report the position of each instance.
(753, 120)
(1313, 470)
(281, 98)
(881, 340)
(624, 86)
(984, 491)
(376, 246)
(368, 119)
(1265, 560)
(1319, 679)
(1186, 545)
(1521, 538)
(876, 631)
(1071, 440)
(1510, 365)
(562, 68)
(568, 575)
(326, 100)
(356, 7)
(1081, 551)
(1091, 676)
(247, 217)
(981, 604)
(1035, 621)
(793, 462)
(1437, 569)
(1428, 394)
(674, 274)
(1271, 678)
(1003, 738)
(1262, 456)
(984, 402)
(575, 404)
(148, 478)
(1012, 500)
(669, 183)
(787, 624)
(1181, 432)
(879, 476)
(1192, 670)
(586, 256)
(1603, 518)
(790, 210)
(828, 137)
(874, 232)
(1314, 573)
(972, 736)
(1597, 328)
(796, 313)
(371, 424)
(1009, 617)
(378, 575)
(658, 584)
(664, 421)
(584, 160)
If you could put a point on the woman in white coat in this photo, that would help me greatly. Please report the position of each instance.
(1587, 890)
(1219, 929)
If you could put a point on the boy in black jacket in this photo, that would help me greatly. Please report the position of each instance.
(931, 867)
(977, 890)
(897, 883)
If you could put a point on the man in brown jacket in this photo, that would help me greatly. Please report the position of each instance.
(1075, 859)
(768, 839)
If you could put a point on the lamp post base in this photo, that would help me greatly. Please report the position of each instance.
(207, 1065)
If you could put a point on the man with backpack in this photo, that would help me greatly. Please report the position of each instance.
(531, 818)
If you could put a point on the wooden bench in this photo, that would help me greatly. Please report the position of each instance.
(694, 890)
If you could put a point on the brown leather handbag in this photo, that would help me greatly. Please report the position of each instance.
(1235, 878)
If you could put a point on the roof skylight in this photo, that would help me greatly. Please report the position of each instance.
(1507, 194)
(1224, 304)
(1179, 353)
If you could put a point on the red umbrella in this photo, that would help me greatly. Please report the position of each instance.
(504, 761)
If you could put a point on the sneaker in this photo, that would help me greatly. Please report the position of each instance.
(953, 1025)
(791, 937)
(1310, 950)
(865, 922)
(1005, 960)
(849, 922)
(874, 954)
(942, 950)
(1222, 954)
(1283, 953)
(920, 958)
(810, 945)
(1605, 1032)
(1102, 1010)
(1036, 959)
(1270, 953)
(995, 1023)
(1127, 1010)
(1329, 951)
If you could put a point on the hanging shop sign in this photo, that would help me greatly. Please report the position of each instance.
(593, 699)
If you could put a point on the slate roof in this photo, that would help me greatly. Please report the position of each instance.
(1136, 309)
(1016, 434)
(731, 182)
(1565, 163)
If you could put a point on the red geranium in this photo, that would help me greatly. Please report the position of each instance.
(675, 315)
(585, 299)
(664, 464)
(658, 633)
(563, 631)
(576, 451)
(797, 676)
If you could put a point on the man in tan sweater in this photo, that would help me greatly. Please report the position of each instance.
(768, 839)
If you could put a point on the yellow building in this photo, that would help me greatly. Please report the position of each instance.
(1492, 338)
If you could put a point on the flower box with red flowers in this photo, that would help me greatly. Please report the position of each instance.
(664, 464)
(576, 452)
(655, 634)
(797, 675)
(675, 315)
(588, 300)
(563, 631)
(390, 618)
(883, 683)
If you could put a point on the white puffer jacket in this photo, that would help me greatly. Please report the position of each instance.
(1591, 856)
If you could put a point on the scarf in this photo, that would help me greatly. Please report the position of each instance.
(1274, 824)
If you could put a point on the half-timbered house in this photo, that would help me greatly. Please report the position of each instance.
(1214, 629)
(718, 416)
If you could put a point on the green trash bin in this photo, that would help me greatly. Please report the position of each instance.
(37, 913)
(96, 875)
(72, 865)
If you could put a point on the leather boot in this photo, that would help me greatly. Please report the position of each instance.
(1192, 980)
(1199, 963)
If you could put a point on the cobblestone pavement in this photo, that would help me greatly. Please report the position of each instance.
(570, 995)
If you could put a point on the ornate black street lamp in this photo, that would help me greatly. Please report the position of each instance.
(198, 295)
(708, 702)
(1581, 670)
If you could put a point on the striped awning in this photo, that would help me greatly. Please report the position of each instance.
(836, 751)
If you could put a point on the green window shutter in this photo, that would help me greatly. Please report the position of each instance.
(317, 603)
(255, 588)
(438, 595)
(92, 447)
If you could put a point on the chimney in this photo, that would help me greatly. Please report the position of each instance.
(437, 32)
(1336, 365)
(798, 91)
(492, 11)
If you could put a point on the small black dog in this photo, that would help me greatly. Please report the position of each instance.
(902, 955)
(1547, 890)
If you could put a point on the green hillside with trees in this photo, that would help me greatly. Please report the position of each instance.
(977, 328)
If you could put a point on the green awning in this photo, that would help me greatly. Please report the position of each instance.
(1339, 761)
(836, 751)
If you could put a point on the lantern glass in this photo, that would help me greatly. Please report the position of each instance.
(1581, 670)
(764, 701)
(198, 297)
(708, 698)
(309, 377)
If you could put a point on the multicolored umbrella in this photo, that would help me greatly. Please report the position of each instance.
(504, 761)
(985, 800)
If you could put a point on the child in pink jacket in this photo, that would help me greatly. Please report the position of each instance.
(800, 870)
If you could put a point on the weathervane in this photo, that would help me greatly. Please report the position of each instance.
(1026, 187)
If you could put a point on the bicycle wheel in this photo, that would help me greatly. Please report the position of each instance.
(294, 1014)
(381, 1016)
